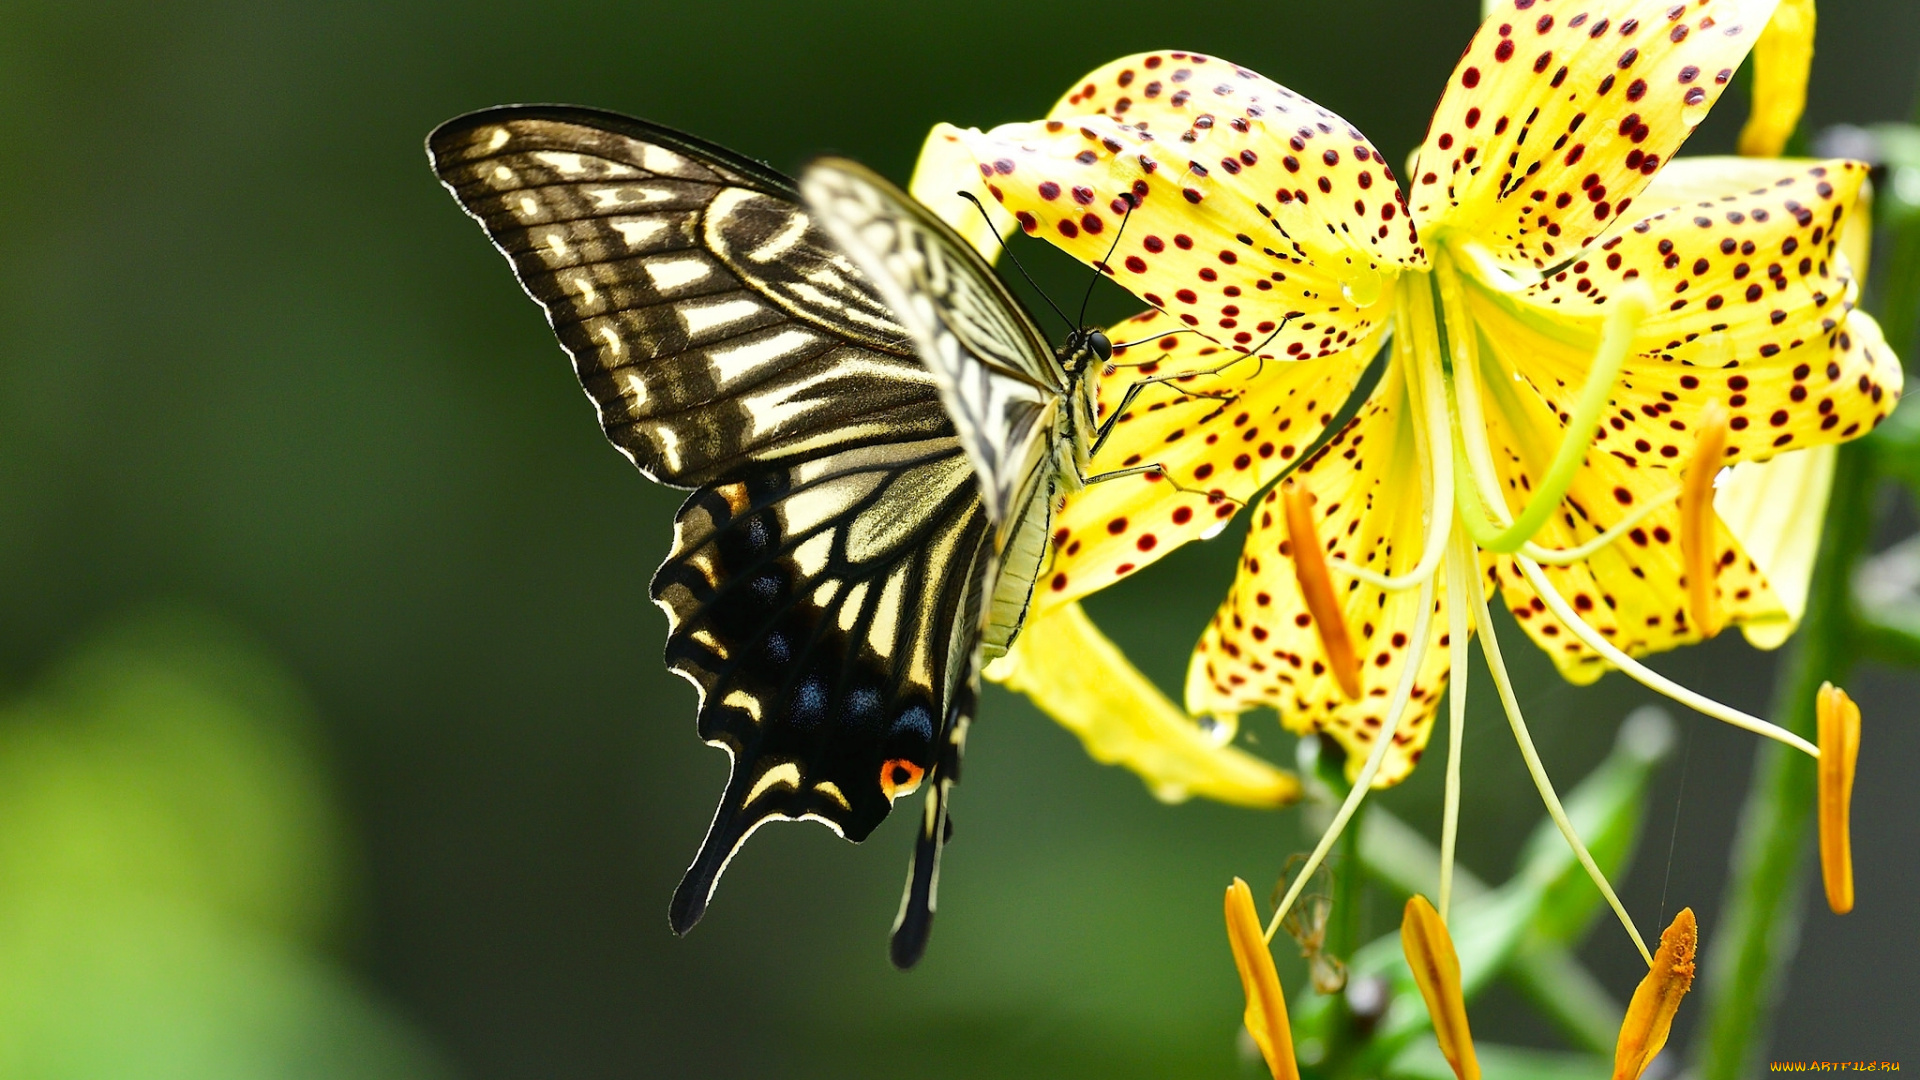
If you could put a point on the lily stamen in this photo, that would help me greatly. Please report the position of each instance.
(1490, 648)
(1697, 520)
(1436, 971)
(1650, 1014)
(1458, 627)
(1383, 741)
(1646, 676)
(1316, 588)
(1266, 1016)
(1838, 721)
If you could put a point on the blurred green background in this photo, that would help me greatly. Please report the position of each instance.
(333, 735)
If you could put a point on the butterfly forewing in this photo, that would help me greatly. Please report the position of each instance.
(999, 380)
(828, 576)
(711, 321)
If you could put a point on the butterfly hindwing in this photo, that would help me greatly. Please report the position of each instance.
(997, 376)
(712, 322)
(827, 612)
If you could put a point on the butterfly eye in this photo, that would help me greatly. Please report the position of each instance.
(1101, 347)
(898, 777)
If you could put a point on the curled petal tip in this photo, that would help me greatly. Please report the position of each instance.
(1650, 1014)
(1266, 1016)
(1316, 588)
(1839, 733)
(1436, 970)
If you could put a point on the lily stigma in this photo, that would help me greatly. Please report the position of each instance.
(1611, 388)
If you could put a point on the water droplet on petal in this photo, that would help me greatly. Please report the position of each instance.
(1361, 286)
(1219, 730)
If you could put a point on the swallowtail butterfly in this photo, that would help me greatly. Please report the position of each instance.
(873, 428)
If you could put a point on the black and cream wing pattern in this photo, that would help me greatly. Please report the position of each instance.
(825, 588)
(996, 373)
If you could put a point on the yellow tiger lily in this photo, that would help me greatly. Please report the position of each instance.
(1582, 336)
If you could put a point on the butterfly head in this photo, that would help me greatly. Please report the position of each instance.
(1084, 349)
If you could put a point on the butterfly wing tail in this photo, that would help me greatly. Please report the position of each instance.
(742, 810)
(914, 923)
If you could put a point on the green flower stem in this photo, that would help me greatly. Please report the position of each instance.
(1759, 927)
(1891, 643)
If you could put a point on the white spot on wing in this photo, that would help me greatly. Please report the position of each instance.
(497, 138)
(850, 608)
(734, 361)
(881, 633)
(811, 556)
(670, 274)
(702, 316)
(659, 159)
(669, 444)
(584, 285)
(638, 232)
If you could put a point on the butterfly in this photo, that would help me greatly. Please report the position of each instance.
(874, 430)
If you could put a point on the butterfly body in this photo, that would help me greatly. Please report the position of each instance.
(874, 450)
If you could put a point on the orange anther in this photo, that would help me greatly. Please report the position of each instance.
(1839, 734)
(1436, 969)
(1266, 1006)
(1650, 1013)
(1316, 588)
(1697, 519)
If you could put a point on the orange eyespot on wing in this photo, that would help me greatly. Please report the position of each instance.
(898, 777)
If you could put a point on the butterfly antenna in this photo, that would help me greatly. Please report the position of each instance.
(1111, 248)
(1154, 337)
(969, 196)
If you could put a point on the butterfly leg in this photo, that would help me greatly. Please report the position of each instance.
(915, 920)
(1161, 471)
(1126, 402)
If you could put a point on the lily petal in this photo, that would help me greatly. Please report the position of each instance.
(1743, 258)
(945, 169)
(1220, 437)
(1650, 1014)
(1262, 647)
(1234, 229)
(1084, 682)
(1781, 61)
(1768, 331)
(1774, 509)
(1266, 1015)
(1554, 121)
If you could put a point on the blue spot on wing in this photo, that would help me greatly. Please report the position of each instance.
(863, 708)
(810, 702)
(916, 720)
